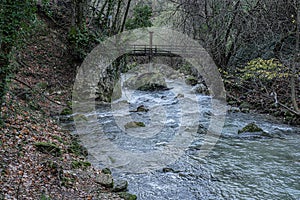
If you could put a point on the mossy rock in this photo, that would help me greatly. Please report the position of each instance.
(232, 103)
(77, 149)
(120, 186)
(48, 148)
(66, 111)
(250, 128)
(106, 171)
(191, 80)
(59, 139)
(105, 180)
(69, 103)
(80, 117)
(80, 164)
(245, 105)
(134, 125)
(127, 196)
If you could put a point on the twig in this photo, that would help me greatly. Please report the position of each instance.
(274, 94)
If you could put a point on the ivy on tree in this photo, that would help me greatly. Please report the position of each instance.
(15, 20)
(141, 17)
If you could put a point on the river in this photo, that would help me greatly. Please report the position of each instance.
(237, 167)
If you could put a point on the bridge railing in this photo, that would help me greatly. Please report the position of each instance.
(163, 49)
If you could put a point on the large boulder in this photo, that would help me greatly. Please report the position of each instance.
(200, 89)
(147, 82)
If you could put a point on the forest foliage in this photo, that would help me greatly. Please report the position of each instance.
(254, 41)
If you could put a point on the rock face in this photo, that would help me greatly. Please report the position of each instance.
(147, 82)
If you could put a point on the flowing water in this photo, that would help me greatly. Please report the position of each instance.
(238, 167)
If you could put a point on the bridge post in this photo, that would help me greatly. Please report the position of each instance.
(151, 45)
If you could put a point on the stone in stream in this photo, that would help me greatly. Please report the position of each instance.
(106, 171)
(200, 89)
(168, 169)
(245, 107)
(179, 95)
(120, 186)
(134, 125)
(141, 108)
(127, 196)
(253, 131)
(105, 179)
(190, 80)
(234, 109)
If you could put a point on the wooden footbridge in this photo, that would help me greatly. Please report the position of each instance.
(161, 50)
(171, 50)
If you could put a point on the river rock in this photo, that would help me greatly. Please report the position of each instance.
(127, 196)
(245, 107)
(147, 82)
(234, 109)
(200, 89)
(253, 131)
(168, 169)
(120, 186)
(179, 96)
(191, 80)
(252, 127)
(134, 125)
(141, 108)
(106, 171)
(105, 179)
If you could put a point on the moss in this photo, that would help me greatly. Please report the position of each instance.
(58, 139)
(42, 85)
(245, 105)
(44, 197)
(252, 127)
(66, 111)
(80, 164)
(77, 148)
(69, 103)
(127, 196)
(67, 182)
(47, 147)
(106, 171)
(52, 165)
(191, 80)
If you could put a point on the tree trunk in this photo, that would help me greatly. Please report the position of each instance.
(79, 13)
(114, 26)
(295, 65)
(125, 16)
(4, 73)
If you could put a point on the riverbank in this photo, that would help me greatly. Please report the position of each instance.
(40, 160)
